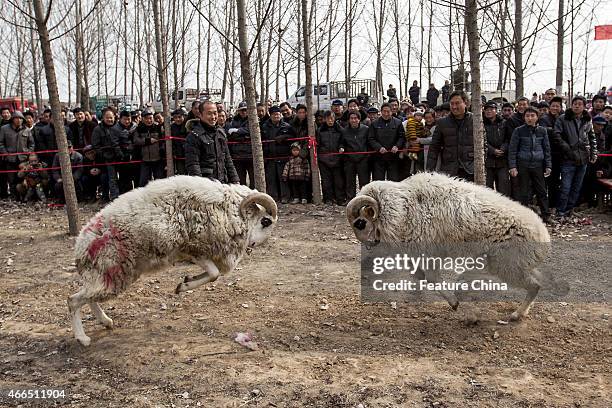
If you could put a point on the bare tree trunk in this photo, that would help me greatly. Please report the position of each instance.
(125, 48)
(314, 166)
(19, 58)
(140, 76)
(348, 45)
(407, 77)
(431, 19)
(421, 6)
(199, 50)
(163, 86)
(35, 68)
(278, 53)
(299, 44)
(79, 62)
(587, 40)
(518, 48)
(503, 10)
(379, 23)
(400, 69)
(268, 54)
(72, 208)
(208, 50)
(69, 69)
(117, 48)
(174, 93)
(473, 37)
(249, 91)
(260, 60)
(450, 41)
(560, 37)
(573, 17)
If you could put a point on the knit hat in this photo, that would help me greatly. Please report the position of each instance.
(372, 109)
(337, 102)
(124, 114)
(295, 145)
(17, 114)
(599, 120)
(274, 109)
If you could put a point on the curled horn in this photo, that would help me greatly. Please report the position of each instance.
(354, 207)
(262, 199)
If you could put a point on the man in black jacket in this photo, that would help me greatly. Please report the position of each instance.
(553, 182)
(240, 136)
(414, 92)
(330, 162)
(178, 131)
(496, 161)
(106, 143)
(517, 119)
(81, 129)
(206, 151)
(432, 95)
(123, 132)
(454, 139)
(387, 138)
(530, 161)
(574, 135)
(274, 135)
(355, 139)
(149, 148)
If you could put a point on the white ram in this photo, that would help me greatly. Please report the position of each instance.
(433, 209)
(148, 229)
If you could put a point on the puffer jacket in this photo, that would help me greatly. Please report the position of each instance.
(178, 145)
(575, 138)
(548, 121)
(529, 147)
(242, 149)
(328, 141)
(495, 140)
(81, 134)
(387, 134)
(125, 138)
(354, 140)
(275, 137)
(13, 141)
(145, 150)
(105, 142)
(207, 154)
(454, 139)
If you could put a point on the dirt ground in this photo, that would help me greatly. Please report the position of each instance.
(319, 345)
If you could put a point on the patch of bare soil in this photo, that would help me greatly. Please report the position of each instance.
(319, 345)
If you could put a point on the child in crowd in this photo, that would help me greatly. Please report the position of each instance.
(297, 174)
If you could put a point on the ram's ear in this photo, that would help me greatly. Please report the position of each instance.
(257, 201)
(368, 212)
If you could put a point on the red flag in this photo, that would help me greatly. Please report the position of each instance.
(603, 32)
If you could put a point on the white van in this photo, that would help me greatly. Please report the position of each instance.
(325, 93)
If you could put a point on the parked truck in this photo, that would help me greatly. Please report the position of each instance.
(325, 93)
(184, 97)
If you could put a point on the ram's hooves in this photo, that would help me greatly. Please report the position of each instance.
(84, 341)
(515, 317)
